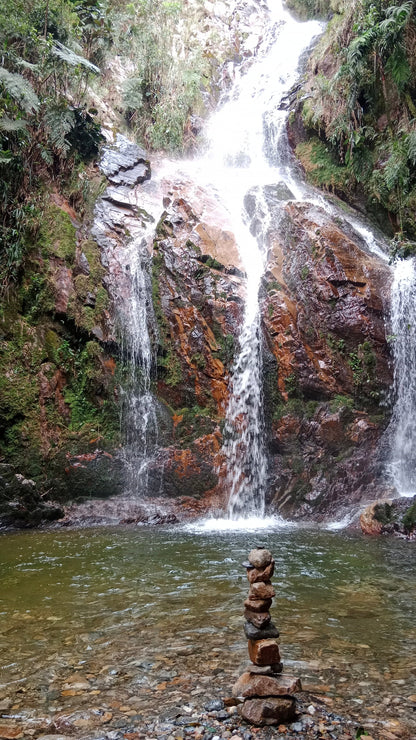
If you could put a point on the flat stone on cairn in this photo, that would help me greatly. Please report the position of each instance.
(265, 693)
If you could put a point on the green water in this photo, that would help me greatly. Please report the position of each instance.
(150, 618)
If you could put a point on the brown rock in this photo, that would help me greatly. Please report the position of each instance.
(263, 652)
(261, 590)
(261, 574)
(368, 523)
(260, 557)
(7, 732)
(259, 619)
(258, 605)
(252, 684)
(270, 711)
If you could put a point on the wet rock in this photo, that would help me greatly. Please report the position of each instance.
(215, 705)
(260, 574)
(260, 557)
(265, 632)
(258, 605)
(266, 670)
(263, 652)
(251, 684)
(125, 163)
(269, 711)
(259, 619)
(261, 591)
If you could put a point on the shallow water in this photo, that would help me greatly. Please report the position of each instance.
(151, 619)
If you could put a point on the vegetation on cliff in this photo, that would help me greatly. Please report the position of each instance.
(358, 110)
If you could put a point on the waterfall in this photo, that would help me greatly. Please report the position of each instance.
(247, 150)
(402, 428)
(139, 418)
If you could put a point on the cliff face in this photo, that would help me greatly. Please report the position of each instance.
(64, 365)
(326, 360)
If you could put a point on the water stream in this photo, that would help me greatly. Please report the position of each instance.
(140, 622)
(402, 429)
(247, 150)
(138, 416)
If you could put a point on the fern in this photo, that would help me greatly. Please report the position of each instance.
(60, 120)
(73, 59)
(411, 146)
(9, 124)
(20, 90)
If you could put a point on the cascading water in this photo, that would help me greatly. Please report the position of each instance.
(139, 418)
(242, 136)
(403, 423)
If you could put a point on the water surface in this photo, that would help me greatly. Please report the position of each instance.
(150, 619)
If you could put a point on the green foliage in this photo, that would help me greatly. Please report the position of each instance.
(172, 366)
(362, 110)
(363, 363)
(409, 519)
(165, 86)
(341, 402)
(310, 8)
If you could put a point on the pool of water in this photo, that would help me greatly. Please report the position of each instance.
(107, 625)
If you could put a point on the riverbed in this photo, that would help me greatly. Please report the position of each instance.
(113, 626)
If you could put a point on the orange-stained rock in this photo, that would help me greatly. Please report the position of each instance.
(368, 523)
(253, 684)
(263, 652)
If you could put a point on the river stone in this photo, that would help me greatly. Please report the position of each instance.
(261, 590)
(273, 710)
(260, 557)
(259, 619)
(263, 652)
(252, 684)
(266, 631)
(260, 574)
(258, 605)
(265, 670)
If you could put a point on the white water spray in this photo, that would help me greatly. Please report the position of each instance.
(403, 423)
(245, 152)
(139, 416)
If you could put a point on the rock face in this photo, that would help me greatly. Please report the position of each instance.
(326, 360)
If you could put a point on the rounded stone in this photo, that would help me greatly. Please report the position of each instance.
(272, 710)
(261, 590)
(260, 558)
(258, 605)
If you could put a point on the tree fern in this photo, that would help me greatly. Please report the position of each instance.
(71, 58)
(9, 124)
(20, 90)
(59, 120)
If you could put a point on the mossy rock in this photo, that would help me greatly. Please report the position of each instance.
(57, 235)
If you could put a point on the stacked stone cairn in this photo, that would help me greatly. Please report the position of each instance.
(264, 692)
